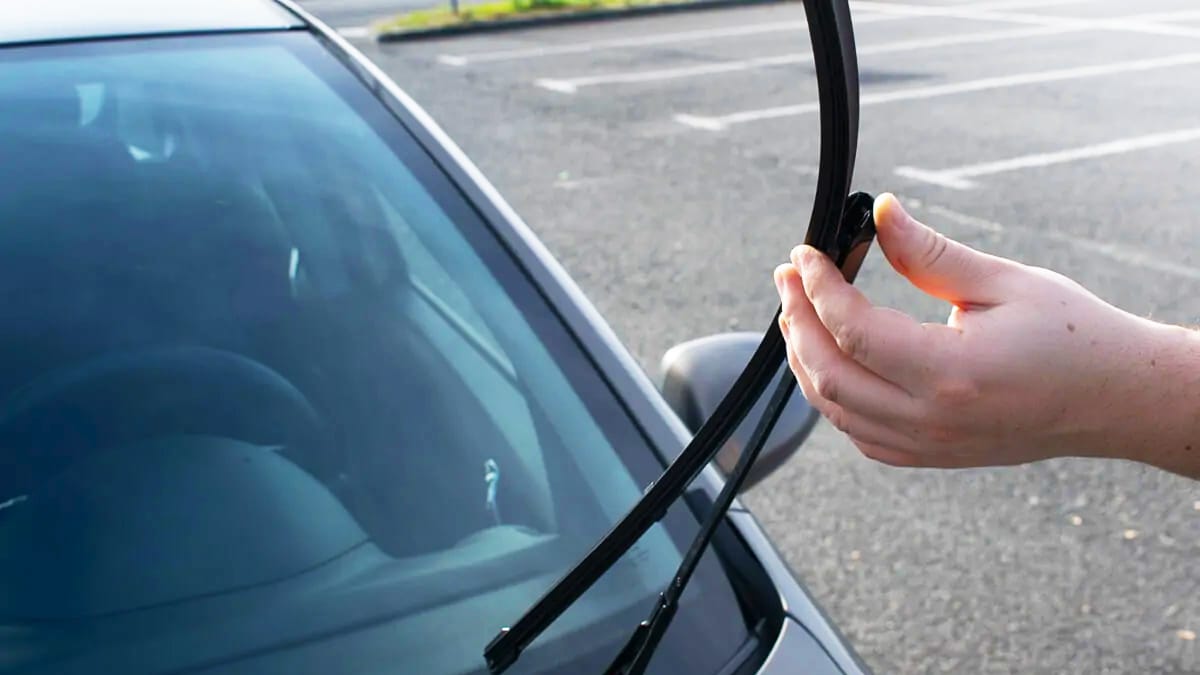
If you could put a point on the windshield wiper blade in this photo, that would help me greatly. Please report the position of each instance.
(856, 232)
(840, 227)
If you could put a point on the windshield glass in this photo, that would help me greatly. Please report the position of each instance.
(274, 400)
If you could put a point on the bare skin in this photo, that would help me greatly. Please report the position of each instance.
(1029, 365)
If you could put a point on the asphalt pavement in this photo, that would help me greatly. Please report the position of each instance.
(669, 163)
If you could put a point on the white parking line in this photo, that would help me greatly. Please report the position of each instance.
(620, 43)
(1118, 252)
(719, 122)
(710, 34)
(958, 178)
(354, 32)
(1140, 24)
(572, 85)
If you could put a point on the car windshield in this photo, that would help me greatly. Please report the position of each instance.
(273, 399)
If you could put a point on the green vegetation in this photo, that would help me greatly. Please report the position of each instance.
(499, 10)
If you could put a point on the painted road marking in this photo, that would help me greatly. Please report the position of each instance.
(621, 43)
(719, 122)
(651, 40)
(1118, 252)
(572, 85)
(354, 32)
(959, 178)
(1140, 24)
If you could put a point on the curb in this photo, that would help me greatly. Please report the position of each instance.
(564, 18)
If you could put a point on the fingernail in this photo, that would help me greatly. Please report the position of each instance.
(798, 257)
(779, 271)
(889, 212)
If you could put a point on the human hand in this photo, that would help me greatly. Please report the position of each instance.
(1029, 364)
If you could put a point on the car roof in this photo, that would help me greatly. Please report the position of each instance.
(23, 21)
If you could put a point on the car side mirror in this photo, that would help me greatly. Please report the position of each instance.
(698, 373)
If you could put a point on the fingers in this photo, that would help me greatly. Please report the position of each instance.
(934, 263)
(858, 428)
(869, 370)
(828, 373)
(876, 429)
(888, 343)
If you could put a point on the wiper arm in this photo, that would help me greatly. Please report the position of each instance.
(840, 227)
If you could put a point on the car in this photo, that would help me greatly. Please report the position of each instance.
(288, 388)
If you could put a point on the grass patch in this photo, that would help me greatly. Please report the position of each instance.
(499, 10)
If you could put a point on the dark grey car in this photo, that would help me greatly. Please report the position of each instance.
(285, 387)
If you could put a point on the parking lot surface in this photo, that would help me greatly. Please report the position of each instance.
(669, 163)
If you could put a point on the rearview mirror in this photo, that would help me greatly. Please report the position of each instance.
(698, 373)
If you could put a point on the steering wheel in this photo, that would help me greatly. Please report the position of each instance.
(127, 396)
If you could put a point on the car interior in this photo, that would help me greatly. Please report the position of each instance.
(201, 329)
(159, 297)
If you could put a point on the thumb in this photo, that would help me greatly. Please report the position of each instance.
(934, 263)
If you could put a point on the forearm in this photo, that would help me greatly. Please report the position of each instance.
(1164, 427)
